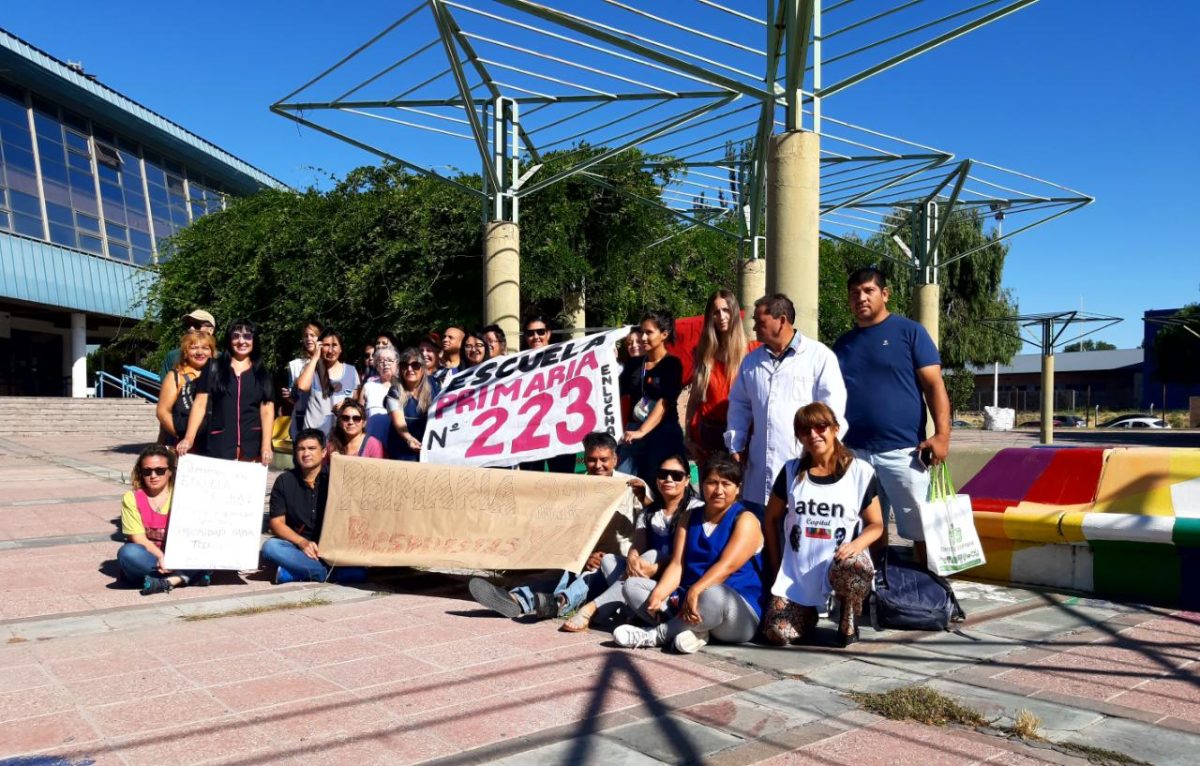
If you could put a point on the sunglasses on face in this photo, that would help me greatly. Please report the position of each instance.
(157, 471)
(241, 336)
(413, 366)
(539, 332)
(817, 428)
(666, 474)
(351, 418)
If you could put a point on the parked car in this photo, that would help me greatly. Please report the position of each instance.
(1114, 422)
(1060, 421)
(960, 424)
(1146, 422)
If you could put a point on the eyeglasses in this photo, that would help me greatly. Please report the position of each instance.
(241, 336)
(818, 428)
(666, 474)
(538, 331)
(351, 418)
(384, 362)
(474, 347)
(412, 366)
(156, 471)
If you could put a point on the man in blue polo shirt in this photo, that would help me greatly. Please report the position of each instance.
(893, 372)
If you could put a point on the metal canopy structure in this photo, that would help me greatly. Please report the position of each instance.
(1046, 331)
(1191, 323)
(694, 89)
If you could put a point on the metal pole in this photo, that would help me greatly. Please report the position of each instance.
(995, 384)
(927, 293)
(1047, 382)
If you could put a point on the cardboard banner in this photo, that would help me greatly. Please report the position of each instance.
(216, 514)
(398, 513)
(529, 406)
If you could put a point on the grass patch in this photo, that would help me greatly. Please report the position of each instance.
(1099, 755)
(918, 703)
(249, 610)
(1026, 725)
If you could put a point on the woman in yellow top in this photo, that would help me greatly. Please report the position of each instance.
(144, 513)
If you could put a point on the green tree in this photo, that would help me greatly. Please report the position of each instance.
(1088, 344)
(1177, 350)
(960, 387)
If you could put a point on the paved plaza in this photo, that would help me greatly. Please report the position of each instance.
(406, 669)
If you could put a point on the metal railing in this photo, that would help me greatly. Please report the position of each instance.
(134, 381)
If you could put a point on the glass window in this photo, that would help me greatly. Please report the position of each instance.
(4, 223)
(30, 227)
(142, 256)
(78, 142)
(59, 214)
(117, 251)
(62, 235)
(91, 244)
(54, 170)
(25, 203)
(87, 222)
(116, 232)
(140, 239)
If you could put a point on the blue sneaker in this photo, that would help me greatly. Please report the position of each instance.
(282, 576)
(152, 585)
(348, 575)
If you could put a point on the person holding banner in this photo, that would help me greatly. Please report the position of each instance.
(242, 409)
(653, 532)
(349, 436)
(408, 402)
(537, 335)
(554, 597)
(654, 387)
(497, 341)
(475, 349)
(431, 353)
(451, 357)
(821, 520)
(144, 513)
(712, 586)
(297, 510)
(718, 356)
(326, 382)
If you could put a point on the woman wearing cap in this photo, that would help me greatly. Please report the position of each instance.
(179, 387)
(326, 381)
(235, 388)
(198, 321)
(810, 554)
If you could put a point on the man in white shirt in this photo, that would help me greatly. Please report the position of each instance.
(785, 373)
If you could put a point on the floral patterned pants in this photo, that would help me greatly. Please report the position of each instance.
(790, 623)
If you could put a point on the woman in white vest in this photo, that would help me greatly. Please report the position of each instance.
(822, 516)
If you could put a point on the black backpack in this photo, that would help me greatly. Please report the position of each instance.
(909, 597)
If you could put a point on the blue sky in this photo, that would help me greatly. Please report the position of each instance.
(1095, 96)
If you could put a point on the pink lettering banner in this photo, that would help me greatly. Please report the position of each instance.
(527, 406)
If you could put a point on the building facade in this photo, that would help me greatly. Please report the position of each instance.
(1112, 380)
(91, 186)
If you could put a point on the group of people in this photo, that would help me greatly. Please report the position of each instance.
(803, 453)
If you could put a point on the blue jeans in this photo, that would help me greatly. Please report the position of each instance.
(284, 554)
(137, 563)
(903, 485)
(576, 589)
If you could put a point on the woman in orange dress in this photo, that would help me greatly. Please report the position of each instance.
(718, 356)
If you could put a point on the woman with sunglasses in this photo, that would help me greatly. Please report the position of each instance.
(349, 436)
(475, 350)
(236, 390)
(711, 587)
(407, 404)
(655, 383)
(144, 513)
(653, 532)
(179, 387)
(718, 356)
(326, 381)
(821, 518)
(537, 332)
(537, 335)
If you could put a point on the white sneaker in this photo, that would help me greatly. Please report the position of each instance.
(691, 641)
(633, 637)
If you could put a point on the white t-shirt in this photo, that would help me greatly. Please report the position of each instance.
(822, 513)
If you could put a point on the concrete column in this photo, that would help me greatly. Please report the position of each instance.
(502, 277)
(752, 285)
(1047, 398)
(576, 316)
(927, 306)
(77, 341)
(793, 222)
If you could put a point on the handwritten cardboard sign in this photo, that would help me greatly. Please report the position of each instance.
(216, 514)
(529, 406)
(397, 513)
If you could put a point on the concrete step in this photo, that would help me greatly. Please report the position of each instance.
(43, 415)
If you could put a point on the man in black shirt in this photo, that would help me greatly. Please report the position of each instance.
(297, 509)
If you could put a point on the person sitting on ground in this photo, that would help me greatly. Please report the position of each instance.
(179, 387)
(555, 597)
(144, 513)
(652, 536)
(349, 435)
(297, 511)
(823, 515)
(712, 586)
(407, 404)
(474, 350)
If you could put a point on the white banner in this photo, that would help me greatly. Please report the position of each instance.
(529, 406)
(216, 514)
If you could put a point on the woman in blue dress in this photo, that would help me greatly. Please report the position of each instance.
(408, 405)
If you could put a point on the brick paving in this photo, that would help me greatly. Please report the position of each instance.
(408, 671)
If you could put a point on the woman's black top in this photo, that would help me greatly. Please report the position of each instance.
(181, 410)
(233, 415)
(663, 382)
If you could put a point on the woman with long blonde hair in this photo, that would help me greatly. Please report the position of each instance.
(718, 356)
(408, 405)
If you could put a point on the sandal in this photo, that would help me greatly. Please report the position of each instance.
(578, 623)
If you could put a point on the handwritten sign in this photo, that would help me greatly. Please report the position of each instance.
(530, 406)
(397, 513)
(216, 514)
